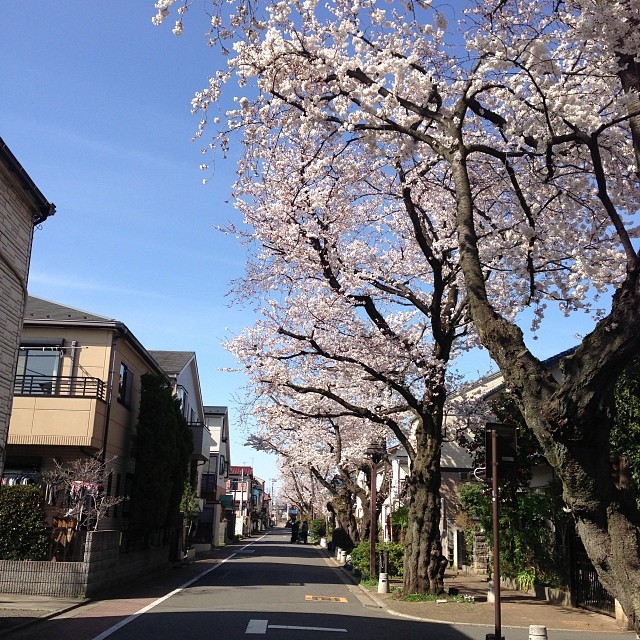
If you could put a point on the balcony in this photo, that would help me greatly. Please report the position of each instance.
(73, 387)
(202, 441)
(58, 411)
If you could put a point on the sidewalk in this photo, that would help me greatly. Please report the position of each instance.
(18, 610)
(518, 609)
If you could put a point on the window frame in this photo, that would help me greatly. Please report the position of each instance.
(125, 384)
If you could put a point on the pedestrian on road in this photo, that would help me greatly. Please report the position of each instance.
(295, 527)
(304, 532)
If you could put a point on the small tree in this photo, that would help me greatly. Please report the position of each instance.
(189, 506)
(400, 522)
(83, 481)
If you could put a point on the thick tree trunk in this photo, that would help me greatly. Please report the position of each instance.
(570, 419)
(343, 506)
(606, 515)
(424, 564)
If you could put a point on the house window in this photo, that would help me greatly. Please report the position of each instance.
(37, 369)
(183, 397)
(223, 466)
(125, 384)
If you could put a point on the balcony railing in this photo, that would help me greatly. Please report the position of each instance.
(63, 386)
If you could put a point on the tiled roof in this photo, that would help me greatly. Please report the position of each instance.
(41, 309)
(44, 208)
(172, 361)
(238, 471)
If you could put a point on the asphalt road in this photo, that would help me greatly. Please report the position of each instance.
(269, 589)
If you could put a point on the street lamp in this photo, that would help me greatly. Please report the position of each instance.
(375, 452)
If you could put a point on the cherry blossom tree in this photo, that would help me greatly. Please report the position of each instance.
(317, 446)
(523, 125)
(367, 311)
(298, 487)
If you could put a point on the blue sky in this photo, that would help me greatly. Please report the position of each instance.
(96, 106)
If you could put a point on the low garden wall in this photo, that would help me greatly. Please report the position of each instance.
(103, 567)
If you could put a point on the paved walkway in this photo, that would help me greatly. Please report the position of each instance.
(518, 609)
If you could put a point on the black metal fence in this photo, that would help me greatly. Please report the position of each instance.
(78, 387)
(587, 588)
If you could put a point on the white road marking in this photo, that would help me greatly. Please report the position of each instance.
(137, 614)
(259, 627)
(280, 626)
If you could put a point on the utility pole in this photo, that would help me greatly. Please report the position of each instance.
(242, 502)
(500, 448)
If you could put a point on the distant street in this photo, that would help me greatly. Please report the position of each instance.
(269, 589)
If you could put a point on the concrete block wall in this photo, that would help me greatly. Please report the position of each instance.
(59, 579)
(108, 567)
(103, 568)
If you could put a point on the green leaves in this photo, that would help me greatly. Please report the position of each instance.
(23, 534)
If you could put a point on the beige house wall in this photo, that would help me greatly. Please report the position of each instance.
(67, 427)
(76, 421)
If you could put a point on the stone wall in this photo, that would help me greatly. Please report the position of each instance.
(103, 567)
(480, 553)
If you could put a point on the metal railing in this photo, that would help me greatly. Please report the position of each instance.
(589, 591)
(65, 386)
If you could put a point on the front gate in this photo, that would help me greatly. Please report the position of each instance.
(587, 588)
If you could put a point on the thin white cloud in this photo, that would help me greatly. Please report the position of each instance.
(62, 282)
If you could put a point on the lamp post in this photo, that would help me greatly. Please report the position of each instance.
(375, 453)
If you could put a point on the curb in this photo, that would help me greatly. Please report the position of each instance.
(46, 616)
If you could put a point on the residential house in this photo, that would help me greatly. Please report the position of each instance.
(398, 460)
(457, 467)
(260, 500)
(22, 207)
(76, 394)
(240, 487)
(218, 505)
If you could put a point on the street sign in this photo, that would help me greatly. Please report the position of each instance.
(506, 445)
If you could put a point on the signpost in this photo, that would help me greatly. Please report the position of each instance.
(500, 442)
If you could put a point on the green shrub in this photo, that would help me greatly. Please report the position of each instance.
(360, 557)
(400, 523)
(23, 532)
(318, 528)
